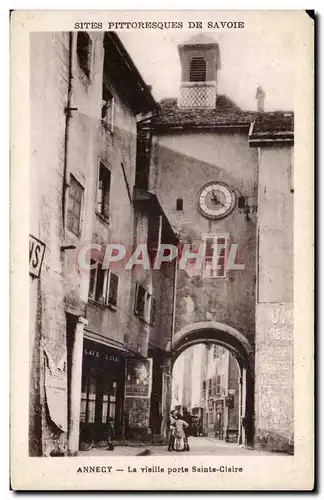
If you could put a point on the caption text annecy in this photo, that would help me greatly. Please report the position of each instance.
(104, 469)
(159, 25)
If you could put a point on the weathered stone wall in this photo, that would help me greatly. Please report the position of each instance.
(234, 375)
(116, 150)
(63, 285)
(274, 411)
(181, 165)
(48, 93)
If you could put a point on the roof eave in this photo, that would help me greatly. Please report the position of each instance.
(188, 127)
(148, 102)
(271, 141)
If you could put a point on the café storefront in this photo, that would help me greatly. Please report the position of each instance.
(102, 391)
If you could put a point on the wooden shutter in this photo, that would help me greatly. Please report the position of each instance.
(113, 290)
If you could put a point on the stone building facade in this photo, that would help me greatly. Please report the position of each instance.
(212, 167)
(220, 394)
(92, 330)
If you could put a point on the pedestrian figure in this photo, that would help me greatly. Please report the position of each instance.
(187, 418)
(110, 433)
(172, 419)
(179, 435)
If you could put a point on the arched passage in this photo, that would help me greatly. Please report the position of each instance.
(239, 346)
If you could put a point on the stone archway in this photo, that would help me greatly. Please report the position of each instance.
(240, 348)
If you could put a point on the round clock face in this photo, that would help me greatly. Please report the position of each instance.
(216, 200)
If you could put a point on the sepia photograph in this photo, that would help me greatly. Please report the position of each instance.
(161, 243)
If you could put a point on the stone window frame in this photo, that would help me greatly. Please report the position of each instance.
(84, 53)
(209, 272)
(107, 297)
(102, 206)
(107, 109)
(146, 309)
(74, 200)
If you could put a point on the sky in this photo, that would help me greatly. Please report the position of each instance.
(247, 61)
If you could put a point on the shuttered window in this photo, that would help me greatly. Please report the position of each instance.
(218, 385)
(113, 290)
(103, 191)
(140, 297)
(74, 206)
(103, 286)
(84, 48)
(153, 311)
(197, 69)
(216, 254)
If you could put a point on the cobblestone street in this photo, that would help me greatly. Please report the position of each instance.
(198, 446)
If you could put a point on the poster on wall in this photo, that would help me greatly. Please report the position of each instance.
(56, 388)
(138, 381)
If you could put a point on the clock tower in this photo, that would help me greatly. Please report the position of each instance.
(200, 61)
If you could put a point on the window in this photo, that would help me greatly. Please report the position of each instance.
(88, 400)
(84, 45)
(153, 311)
(204, 389)
(74, 206)
(179, 204)
(209, 388)
(143, 158)
(214, 389)
(92, 283)
(197, 70)
(103, 192)
(218, 351)
(218, 385)
(107, 109)
(97, 283)
(107, 402)
(98, 401)
(215, 255)
(140, 300)
(113, 290)
(103, 286)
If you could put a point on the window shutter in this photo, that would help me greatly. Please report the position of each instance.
(218, 385)
(197, 69)
(153, 312)
(136, 299)
(92, 281)
(113, 290)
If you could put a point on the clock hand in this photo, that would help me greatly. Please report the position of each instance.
(214, 198)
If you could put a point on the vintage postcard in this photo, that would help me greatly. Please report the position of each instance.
(162, 176)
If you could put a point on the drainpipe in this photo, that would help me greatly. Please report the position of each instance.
(175, 278)
(68, 115)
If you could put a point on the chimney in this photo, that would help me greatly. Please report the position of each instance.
(260, 96)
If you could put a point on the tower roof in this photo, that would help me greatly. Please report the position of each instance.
(200, 39)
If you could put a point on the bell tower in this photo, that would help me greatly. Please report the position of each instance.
(200, 61)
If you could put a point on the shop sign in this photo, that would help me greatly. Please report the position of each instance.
(36, 255)
(102, 355)
(138, 383)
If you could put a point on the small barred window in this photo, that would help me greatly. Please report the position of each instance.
(197, 69)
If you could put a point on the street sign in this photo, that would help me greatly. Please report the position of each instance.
(36, 255)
